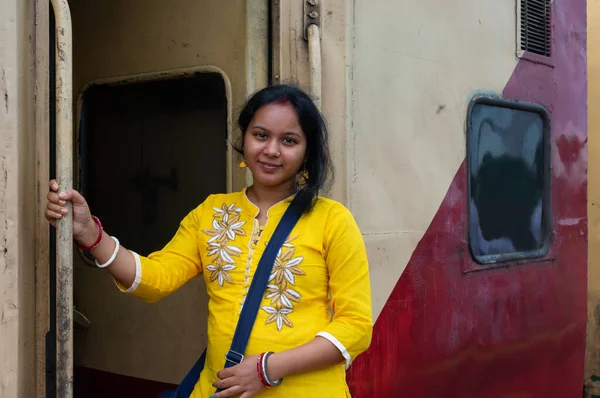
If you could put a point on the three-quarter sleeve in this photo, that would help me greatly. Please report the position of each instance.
(164, 271)
(346, 259)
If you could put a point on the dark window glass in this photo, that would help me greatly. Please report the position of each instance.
(508, 180)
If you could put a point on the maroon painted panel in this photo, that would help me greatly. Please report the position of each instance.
(511, 331)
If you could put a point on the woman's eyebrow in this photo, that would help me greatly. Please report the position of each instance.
(258, 126)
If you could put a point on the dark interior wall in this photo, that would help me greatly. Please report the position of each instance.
(153, 152)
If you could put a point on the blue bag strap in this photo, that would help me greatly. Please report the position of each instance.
(259, 283)
(252, 302)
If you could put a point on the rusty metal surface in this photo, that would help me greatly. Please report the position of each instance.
(276, 59)
(64, 174)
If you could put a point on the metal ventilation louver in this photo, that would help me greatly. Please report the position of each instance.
(536, 26)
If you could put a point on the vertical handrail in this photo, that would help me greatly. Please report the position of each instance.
(64, 176)
(314, 55)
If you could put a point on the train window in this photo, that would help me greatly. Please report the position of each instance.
(509, 180)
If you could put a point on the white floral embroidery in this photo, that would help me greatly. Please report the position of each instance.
(287, 270)
(279, 291)
(224, 251)
(226, 212)
(225, 228)
(278, 315)
(220, 272)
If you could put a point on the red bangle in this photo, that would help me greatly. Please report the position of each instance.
(259, 370)
(97, 242)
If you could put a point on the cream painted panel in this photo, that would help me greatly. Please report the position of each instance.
(117, 37)
(415, 67)
(10, 315)
(17, 200)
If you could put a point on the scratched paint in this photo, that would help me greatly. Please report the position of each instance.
(510, 330)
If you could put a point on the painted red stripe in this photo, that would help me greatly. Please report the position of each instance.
(517, 331)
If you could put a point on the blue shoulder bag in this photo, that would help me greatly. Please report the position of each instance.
(251, 305)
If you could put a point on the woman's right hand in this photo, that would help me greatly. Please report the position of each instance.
(85, 230)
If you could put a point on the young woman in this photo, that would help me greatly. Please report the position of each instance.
(322, 265)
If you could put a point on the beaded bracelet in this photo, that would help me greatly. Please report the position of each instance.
(259, 370)
(263, 370)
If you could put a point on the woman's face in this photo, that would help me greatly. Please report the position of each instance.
(274, 145)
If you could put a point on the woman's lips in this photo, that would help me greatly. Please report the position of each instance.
(269, 166)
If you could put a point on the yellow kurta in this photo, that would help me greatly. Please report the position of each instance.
(325, 252)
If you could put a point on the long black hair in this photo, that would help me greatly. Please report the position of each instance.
(318, 165)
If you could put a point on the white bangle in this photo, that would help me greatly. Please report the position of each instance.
(114, 255)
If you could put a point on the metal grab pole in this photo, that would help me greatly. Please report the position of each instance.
(64, 176)
(314, 55)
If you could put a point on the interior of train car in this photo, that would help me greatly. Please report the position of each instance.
(153, 122)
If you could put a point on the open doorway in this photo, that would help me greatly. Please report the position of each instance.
(149, 152)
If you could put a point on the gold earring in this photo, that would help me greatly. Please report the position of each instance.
(243, 165)
(302, 178)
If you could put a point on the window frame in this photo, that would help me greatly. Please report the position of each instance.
(547, 227)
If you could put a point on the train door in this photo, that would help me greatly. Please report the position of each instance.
(155, 88)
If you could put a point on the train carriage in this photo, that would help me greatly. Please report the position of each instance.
(459, 134)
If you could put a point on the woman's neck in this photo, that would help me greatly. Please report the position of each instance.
(265, 197)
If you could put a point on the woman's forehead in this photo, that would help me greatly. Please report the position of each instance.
(277, 118)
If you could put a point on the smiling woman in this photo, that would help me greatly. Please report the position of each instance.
(295, 344)
(275, 146)
(285, 118)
